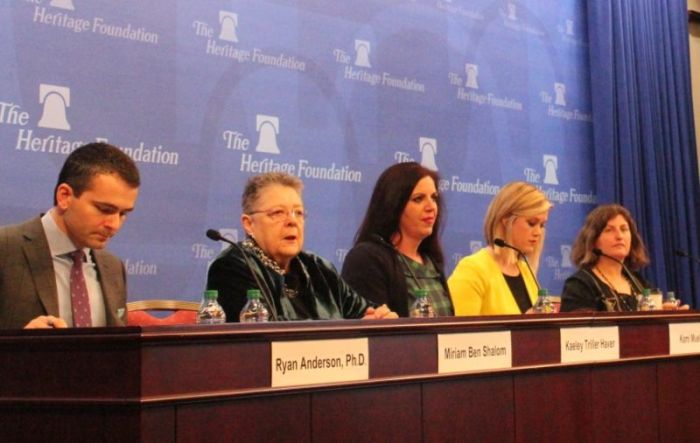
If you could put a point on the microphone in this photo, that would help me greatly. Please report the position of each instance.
(215, 235)
(502, 244)
(686, 255)
(638, 286)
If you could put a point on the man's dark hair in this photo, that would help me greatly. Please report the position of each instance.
(92, 159)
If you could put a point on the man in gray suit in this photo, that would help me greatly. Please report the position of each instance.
(54, 271)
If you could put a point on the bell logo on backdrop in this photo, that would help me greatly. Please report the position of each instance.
(230, 234)
(566, 256)
(362, 50)
(472, 73)
(560, 265)
(569, 27)
(268, 127)
(475, 246)
(467, 87)
(63, 4)
(569, 34)
(55, 100)
(512, 10)
(428, 149)
(550, 163)
(340, 254)
(456, 257)
(560, 94)
(228, 22)
(359, 69)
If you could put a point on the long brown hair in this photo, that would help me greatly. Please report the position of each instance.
(389, 198)
(582, 251)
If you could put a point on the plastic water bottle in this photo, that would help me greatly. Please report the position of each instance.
(210, 311)
(646, 303)
(671, 299)
(254, 310)
(543, 304)
(422, 308)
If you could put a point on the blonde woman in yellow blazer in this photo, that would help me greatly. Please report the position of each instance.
(495, 280)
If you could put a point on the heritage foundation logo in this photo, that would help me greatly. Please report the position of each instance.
(228, 21)
(360, 69)
(268, 128)
(557, 106)
(219, 39)
(468, 90)
(55, 100)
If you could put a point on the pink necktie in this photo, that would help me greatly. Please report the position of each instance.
(78, 292)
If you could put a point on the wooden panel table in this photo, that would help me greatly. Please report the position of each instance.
(213, 383)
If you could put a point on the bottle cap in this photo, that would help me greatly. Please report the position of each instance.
(646, 291)
(542, 291)
(421, 293)
(211, 293)
(253, 293)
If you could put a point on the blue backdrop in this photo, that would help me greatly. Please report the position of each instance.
(205, 94)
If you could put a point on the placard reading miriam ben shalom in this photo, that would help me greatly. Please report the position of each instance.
(319, 361)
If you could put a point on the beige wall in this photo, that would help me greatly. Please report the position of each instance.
(695, 70)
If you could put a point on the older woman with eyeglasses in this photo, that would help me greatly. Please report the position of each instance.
(296, 285)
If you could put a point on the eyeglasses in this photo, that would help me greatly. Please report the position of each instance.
(280, 214)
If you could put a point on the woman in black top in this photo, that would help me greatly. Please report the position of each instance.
(608, 239)
(397, 249)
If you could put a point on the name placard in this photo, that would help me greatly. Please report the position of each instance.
(319, 361)
(684, 338)
(474, 351)
(590, 344)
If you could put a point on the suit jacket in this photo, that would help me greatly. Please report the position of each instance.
(28, 284)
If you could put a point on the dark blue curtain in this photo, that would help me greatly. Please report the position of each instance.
(645, 153)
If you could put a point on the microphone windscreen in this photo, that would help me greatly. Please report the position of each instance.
(213, 234)
(500, 243)
(597, 252)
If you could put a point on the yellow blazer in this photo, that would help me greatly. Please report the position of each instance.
(477, 286)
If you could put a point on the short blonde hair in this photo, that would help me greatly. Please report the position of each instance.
(257, 183)
(515, 199)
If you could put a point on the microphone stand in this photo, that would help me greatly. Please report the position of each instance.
(625, 269)
(502, 244)
(215, 235)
